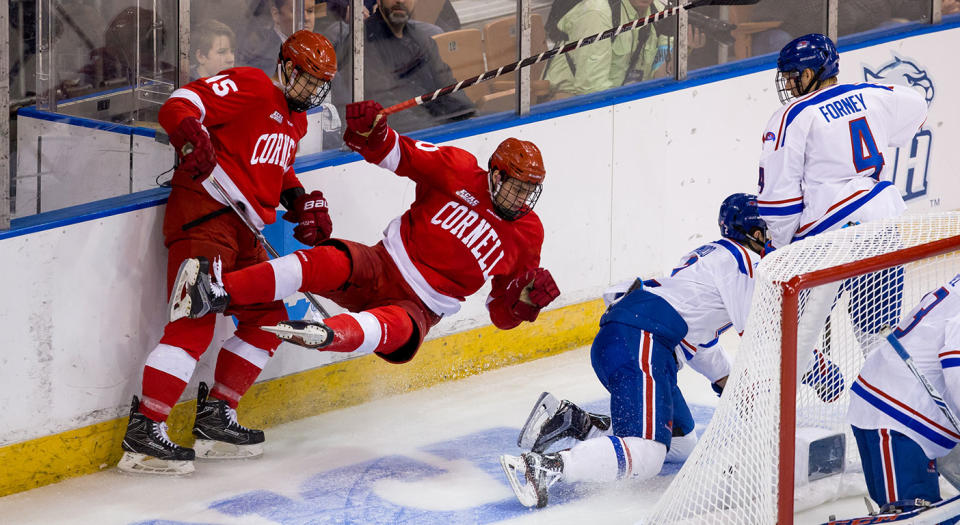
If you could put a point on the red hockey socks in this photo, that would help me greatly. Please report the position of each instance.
(165, 375)
(238, 365)
(319, 269)
(382, 330)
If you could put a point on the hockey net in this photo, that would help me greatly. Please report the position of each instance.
(774, 445)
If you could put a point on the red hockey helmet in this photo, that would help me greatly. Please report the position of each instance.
(519, 159)
(517, 187)
(313, 55)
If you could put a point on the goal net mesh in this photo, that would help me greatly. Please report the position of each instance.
(732, 477)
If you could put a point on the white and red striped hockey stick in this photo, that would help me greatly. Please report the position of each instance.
(556, 51)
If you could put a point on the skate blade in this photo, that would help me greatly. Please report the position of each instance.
(545, 408)
(180, 301)
(212, 449)
(135, 463)
(515, 468)
(310, 336)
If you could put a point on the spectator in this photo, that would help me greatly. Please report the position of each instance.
(213, 49)
(236, 14)
(401, 61)
(447, 20)
(336, 24)
(259, 49)
(130, 35)
(632, 56)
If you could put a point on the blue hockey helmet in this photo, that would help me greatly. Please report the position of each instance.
(815, 52)
(739, 215)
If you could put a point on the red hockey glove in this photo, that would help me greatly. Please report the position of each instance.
(530, 292)
(194, 149)
(366, 134)
(312, 216)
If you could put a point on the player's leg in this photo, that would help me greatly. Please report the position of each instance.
(641, 406)
(684, 436)
(558, 424)
(896, 469)
(167, 371)
(320, 269)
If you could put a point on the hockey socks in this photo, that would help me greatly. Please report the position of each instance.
(611, 458)
(165, 375)
(238, 365)
(382, 330)
(319, 269)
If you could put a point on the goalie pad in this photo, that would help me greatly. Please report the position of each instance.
(946, 512)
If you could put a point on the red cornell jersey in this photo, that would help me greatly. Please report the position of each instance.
(254, 133)
(451, 240)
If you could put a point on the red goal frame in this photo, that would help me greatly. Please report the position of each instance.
(789, 317)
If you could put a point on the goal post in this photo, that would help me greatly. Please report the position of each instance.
(778, 441)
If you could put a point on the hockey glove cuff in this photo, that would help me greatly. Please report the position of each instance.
(194, 149)
(530, 292)
(312, 216)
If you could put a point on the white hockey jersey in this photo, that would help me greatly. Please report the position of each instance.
(711, 289)
(888, 395)
(822, 161)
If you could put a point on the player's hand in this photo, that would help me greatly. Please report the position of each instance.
(719, 385)
(530, 292)
(194, 148)
(312, 216)
(825, 378)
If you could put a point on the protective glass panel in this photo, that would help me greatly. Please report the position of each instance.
(110, 60)
(858, 16)
(724, 34)
(413, 47)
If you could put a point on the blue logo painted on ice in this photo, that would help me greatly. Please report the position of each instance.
(910, 164)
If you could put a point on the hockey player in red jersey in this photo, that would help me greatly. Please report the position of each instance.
(240, 128)
(466, 225)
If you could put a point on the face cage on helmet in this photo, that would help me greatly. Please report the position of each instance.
(306, 100)
(515, 206)
(785, 94)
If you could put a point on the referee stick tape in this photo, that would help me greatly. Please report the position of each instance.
(547, 55)
(317, 308)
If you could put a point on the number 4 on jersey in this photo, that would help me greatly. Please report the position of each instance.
(866, 154)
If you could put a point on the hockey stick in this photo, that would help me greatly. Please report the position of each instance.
(948, 464)
(931, 391)
(263, 240)
(556, 51)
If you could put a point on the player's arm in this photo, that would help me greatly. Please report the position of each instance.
(908, 114)
(950, 357)
(711, 362)
(514, 299)
(780, 195)
(369, 135)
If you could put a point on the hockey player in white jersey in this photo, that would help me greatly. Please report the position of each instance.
(648, 331)
(822, 166)
(900, 431)
(821, 169)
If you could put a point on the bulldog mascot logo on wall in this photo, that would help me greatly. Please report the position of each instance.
(910, 164)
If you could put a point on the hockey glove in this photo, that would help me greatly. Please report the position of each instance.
(366, 134)
(530, 292)
(312, 216)
(825, 378)
(194, 149)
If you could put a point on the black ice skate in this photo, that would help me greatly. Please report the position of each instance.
(310, 334)
(196, 292)
(538, 471)
(148, 449)
(219, 436)
(552, 420)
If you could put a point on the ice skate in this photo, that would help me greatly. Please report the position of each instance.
(538, 471)
(552, 420)
(148, 449)
(219, 435)
(310, 334)
(195, 291)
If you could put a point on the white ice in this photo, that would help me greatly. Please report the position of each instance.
(424, 457)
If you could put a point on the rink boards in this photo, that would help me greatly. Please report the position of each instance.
(634, 180)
